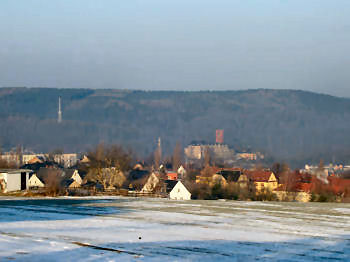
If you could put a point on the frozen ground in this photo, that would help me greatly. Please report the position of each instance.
(130, 229)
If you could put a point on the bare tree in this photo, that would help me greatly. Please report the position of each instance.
(107, 177)
(177, 156)
(206, 157)
(107, 165)
(53, 181)
(19, 155)
(6, 163)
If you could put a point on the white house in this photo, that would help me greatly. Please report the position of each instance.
(14, 179)
(180, 192)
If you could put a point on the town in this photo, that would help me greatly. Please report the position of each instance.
(199, 171)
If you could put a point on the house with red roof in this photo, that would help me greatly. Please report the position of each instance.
(339, 186)
(301, 192)
(263, 180)
(172, 175)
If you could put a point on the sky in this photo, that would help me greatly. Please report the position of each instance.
(176, 44)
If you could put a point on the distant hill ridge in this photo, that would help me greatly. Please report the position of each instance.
(289, 125)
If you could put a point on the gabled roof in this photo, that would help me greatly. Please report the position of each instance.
(35, 160)
(85, 159)
(258, 175)
(230, 175)
(70, 172)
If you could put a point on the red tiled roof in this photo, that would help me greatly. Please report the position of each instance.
(258, 175)
(298, 187)
(339, 185)
(172, 175)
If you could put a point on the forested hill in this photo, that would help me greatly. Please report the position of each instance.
(289, 125)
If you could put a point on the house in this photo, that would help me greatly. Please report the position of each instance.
(171, 175)
(177, 190)
(218, 151)
(68, 178)
(72, 178)
(218, 179)
(85, 160)
(214, 175)
(262, 180)
(211, 176)
(206, 175)
(234, 175)
(14, 179)
(35, 182)
(301, 193)
(295, 186)
(74, 184)
(151, 183)
(74, 174)
(247, 156)
(35, 160)
(137, 178)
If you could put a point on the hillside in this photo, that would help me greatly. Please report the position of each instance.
(297, 126)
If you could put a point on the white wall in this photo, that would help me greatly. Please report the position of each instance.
(180, 192)
(13, 182)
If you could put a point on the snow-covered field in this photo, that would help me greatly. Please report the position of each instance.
(131, 229)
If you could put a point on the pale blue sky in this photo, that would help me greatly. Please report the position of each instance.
(176, 44)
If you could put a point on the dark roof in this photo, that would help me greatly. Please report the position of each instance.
(44, 173)
(63, 176)
(138, 174)
(69, 172)
(230, 175)
(170, 185)
(37, 166)
(66, 182)
(92, 185)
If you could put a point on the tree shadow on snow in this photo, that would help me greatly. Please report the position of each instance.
(308, 249)
(56, 209)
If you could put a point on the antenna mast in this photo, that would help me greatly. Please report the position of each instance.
(59, 119)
